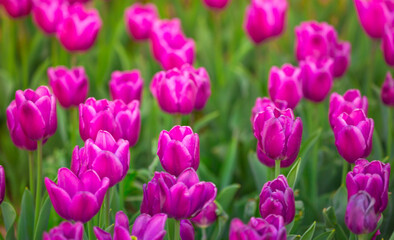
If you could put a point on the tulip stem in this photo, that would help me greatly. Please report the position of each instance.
(39, 180)
(345, 170)
(371, 68)
(108, 209)
(277, 167)
(73, 126)
(178, 119)
(362, 237)
(389, 132)
(177, 227)
(90, 230)
(31, 167)
(204, 233)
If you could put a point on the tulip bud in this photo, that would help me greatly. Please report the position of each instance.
(278, 136)
(146, 227)
(65, 230)
(126, 85)
(353, 135)
(388, 42)
(206, 217)
(265, 19)
(360, 216)
(48, 14)
(387, 93)
(277, 197)
(186, 230)
(270, 228)
(203, 83)
(284, 84)
(121, 229)
(79, 29)
(372, 177)
(216, 4)
(140, 19)
(69, 86)
(2, 184)
(340, 53)
(316, 78)
(17, 8)
(262, 103)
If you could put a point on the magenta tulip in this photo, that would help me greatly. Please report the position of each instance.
(216, 4)
(49, 14)
(387, 93)
(149, 228)
(262, 103)
(388, 42)
(270, 228)
(140, 19)
(340, 53)
(203, 83)
(121, 229)
(206, 217)
(186, 230)
(17, 8)
(2, 184)
(65, 230)
(126, 85)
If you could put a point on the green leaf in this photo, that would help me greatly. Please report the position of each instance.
(331, 222)
(43, 219)
(26, 219)
(308, 234)
(293, 173)
(293, 237)
(227, 170)
(9, 215)
(340, 203)
(227, 195)
(258, 169)
(308, 144)
(220, 222)
(205, 120)
(326, 235)
(122, 54)
(392, 236)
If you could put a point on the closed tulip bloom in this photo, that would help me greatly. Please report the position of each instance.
(17, 8)
(284, 84)
(216, 4)
(317, 78)
(360, 216)
(269, 228)
(79, 29)
(180, 198)
(175, 91)
(388, 42)
(65, 230)
(387, 93)
(353, 135)
(262, 103)
(105, 156)
(278, 136)
(121, 229)
(140, 19)
(277, 197)
(372, 177)
(265, 19)
(126, 85)
(120, 119)
(178, 149)
(186, 230)
(48, 14)
(203, 83)
(150, 227)
(206, 217)
(74, 198)
(351, 100)
(340, 53)
(2, 184)
(70, 86)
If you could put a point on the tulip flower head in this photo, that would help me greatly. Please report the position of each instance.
(206, 217)
(186, 230)
(140, 19)
(49, 14)
(216, 4)
(126, 86)
(65, 230)
(150, 227)
(2, 184)
(17, 8)
(121, 229)
(388, 42)
(262, 103)
(387, 93)
(340, 52)
(201, 78)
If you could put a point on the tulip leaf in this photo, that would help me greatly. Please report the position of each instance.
(340, 203)
(9, 215)
(26, 219)
(205, 120)
(123, 58)
(220, 222)
(392, 236)
(331, 222)
(293, 237)
(326, 235)
(308, 234)
(227, 170)
(308, 144)
(227, 195)
(293, 173)
(43, 219)
(258, 169)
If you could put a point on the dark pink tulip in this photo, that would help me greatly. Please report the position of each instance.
(65, 230)
(170, 46)
(150, 228)
(126, 85)
(353, 135)
(79, 29)
(340, 53)
(48, 14)
(270, 228)
(265, 19)
(175, 91)
(284, 84)
(206, 217)
(203, 83)
(140, 19)
(351, 100)
(277, 197)
(317, 78)
(105, 156)
(216, 4)
(17, 8)
(372, 177)
(120, 119)
(278, 136)
(186, 230)
(388, 42)
(70, 86)
(121, 229)
(262, 103)
(2, 184)
(178, 149)
(387, 93)
(74, 198)
(179, 198)
(360, 216)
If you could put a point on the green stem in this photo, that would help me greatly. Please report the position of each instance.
(90, 230)
(54, 51)
(204, 233)
(22, 32)
(74, 60)
(371, 68)
(362, 237)
(39, 180)
(31, 169)
(345, 170)
(108, 209)
(389, 132)
(277, 167)
(177, 226)
(73, 126)
(178, 119)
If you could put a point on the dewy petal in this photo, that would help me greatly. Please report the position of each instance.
(83, 207)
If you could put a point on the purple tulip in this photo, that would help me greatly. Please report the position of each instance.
(48, 14)
(79, 29)
(262, 103)
(216, 4)
(180, 198)
(126, 85)
(203, 83)
(175, 91)
(388, 42)
(105, 156)
(170, 46)
(17, 8)
(284, 84)
(2, 184)
(270, 228)
(186, 230)
(150, 228)
(340, 53)
(120, 119)
(278, 136)
(277, 197)
(178, 149)
(206, 217)
(140, 19)
(69, 86)
(121, 229)
(360, 216)
(372, 177)
(387, 93)
(265, 19)
(65, 230)
(351, 100)
(353, 135)
(74, 198)
(317, 78)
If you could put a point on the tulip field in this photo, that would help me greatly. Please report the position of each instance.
(196, 119)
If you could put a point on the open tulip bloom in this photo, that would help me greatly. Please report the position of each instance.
(65, 230)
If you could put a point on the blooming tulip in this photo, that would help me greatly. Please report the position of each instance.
(216, 4)
(140, 19)
(79, 29)
(126, 85)
(105, 156)
(2, 184)
(269, 228)
(121, 229)
(340, 53)
(277, 197)
(262, 103)
(372, 177)
(17, 8)
(149, 228)
(353, 135)
(48, 14)
(284, 84)
(120, 119)
(186, 230)
(178, 149)
(387, 93)
(74, 198)
(278, 136)
(65, 230)
(203, 83)
(69, 86)
(388, 42)
(206, 217)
